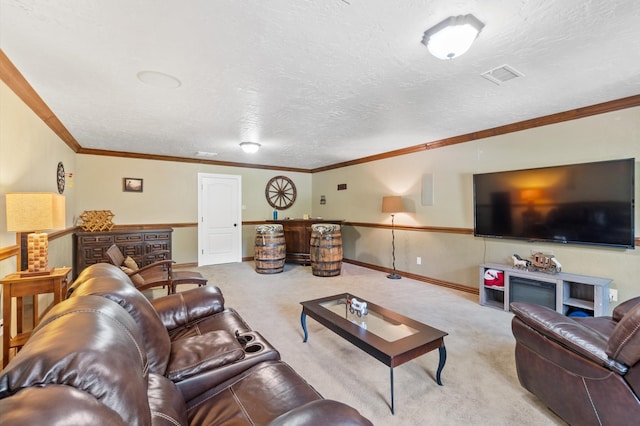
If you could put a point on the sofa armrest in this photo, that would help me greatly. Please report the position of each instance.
(180, 309)
(568, 332)
(197, 354)
(166, 264)
(625, 307)
(624, 342)
(321, 412)
(257, 350)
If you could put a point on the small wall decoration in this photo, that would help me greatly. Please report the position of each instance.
(131, 184)
(280, 192)
(96, 220)
(60, 177)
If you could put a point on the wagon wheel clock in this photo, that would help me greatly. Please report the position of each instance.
(60, 177)
(280, 192)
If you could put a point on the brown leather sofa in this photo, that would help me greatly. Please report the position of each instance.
(584, 369)
(106, 355)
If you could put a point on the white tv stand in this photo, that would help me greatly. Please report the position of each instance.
(572, 292)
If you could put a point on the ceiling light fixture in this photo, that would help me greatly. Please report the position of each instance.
(250, 147)
(453, 36)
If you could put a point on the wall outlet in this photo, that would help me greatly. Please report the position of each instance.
(613, 295)
(418, 260)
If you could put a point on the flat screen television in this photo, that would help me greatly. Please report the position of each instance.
(589, 203)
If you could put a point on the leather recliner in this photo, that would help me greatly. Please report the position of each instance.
(585, 369)
(106, 355)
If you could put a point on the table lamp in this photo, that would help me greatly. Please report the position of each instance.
(35, 212)
(392, 204)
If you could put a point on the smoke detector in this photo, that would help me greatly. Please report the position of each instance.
(502, 74)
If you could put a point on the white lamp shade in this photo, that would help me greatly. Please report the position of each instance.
(35, 211)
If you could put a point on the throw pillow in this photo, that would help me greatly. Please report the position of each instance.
(130, 263)
(136, 278)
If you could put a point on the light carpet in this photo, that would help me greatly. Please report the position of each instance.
(480, 385)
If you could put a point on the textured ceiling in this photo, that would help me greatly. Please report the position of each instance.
(315, 82)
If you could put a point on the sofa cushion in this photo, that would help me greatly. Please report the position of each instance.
(194, 355)
(56, 405)
(89, 343)
(321, 412)
(256, 396)
(96, 270)
(186, 307)
(116, 287)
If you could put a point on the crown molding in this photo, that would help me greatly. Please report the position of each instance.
(21, 87)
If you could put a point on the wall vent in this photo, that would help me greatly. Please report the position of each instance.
(502, 74)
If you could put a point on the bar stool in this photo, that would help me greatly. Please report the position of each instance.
(326, 250)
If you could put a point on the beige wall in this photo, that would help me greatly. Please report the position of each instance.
(29, 153)
(170, 195)
(29, 156)
(455, 258)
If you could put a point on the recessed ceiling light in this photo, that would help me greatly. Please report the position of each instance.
(206, 154)
(250, 147)
(159, 79)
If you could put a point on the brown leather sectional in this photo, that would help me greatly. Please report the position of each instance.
(107, 355)
(585, 369)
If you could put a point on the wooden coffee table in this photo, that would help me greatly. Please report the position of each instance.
(389, 337)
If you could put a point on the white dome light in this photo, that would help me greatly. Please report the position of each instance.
(453, 36)
(250, 147)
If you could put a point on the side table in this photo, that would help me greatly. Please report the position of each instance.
(16, 286)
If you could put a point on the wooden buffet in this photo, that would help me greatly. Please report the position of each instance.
(91, 247)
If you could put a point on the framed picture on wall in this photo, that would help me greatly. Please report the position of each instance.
(131, 184)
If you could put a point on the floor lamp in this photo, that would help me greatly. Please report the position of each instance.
(392, 204)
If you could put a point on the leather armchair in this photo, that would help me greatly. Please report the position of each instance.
(586, 370)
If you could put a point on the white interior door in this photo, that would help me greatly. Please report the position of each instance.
(219, 219)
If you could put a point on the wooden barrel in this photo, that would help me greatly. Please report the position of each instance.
(270, 249)
(326, 250)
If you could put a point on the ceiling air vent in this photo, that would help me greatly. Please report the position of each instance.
(502, 74)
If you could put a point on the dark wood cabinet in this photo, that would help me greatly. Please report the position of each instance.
(90, 247)
(297, 237)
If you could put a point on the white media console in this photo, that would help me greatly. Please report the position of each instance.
(566, 293)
